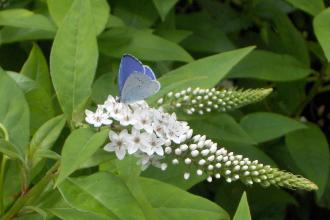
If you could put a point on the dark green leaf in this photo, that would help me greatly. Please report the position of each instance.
(265, 126)
(164, 6)
(270, 66)
(312, 7)
(142, 44)
(310, 151)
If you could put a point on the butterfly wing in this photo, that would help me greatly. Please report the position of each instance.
(148, 71)
(138, 86)
(128, 65)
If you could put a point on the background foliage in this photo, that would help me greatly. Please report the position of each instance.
(58, 57)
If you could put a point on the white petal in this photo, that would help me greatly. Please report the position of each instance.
(113, 135)
(132, 148)
(110, 147)
(120, 153)
(106, 121)
(89, 113)
(159, 150)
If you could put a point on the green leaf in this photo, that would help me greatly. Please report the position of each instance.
(142, 44)
(108, 195)
(265, 126)
(39, 100)
(310, 151)
(322, 31)
(266, 65)
(103, 86)
(173, 203)
(14, 112)
(243, 210)
(100, 12)
(205, 72)
(102, 193)
(36, 68)
(312, 7)
(222, 127)
(78, 147)
(12, 34)
(74, 214)
(11, 151)
(73, 59)
(45, 137)
(25, 19)
(164, 7)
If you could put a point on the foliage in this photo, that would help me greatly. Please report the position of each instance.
(215, 59)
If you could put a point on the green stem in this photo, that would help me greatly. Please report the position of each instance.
(2, 176)
(3, 170)
(31, 195)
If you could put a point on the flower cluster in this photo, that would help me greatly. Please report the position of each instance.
(151, 134)
(139, 130)
(202, 101)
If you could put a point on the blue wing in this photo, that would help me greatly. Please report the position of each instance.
(148, 71)
(128, 65)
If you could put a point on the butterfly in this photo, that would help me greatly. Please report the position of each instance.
(135, 80)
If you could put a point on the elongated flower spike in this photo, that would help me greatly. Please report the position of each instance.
(152, 134)
(201, 101)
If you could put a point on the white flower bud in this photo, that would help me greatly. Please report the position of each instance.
(160, 101)
(211, 158)
(200, 144)
(228, 172)
(217, 175)
(213, 148)
(218, 165)
(209, 179)
(184, 147)
(194, 153)
(201, 162)
(175, 161)
(228, 180)
(193, 147)
(177, 151)
(228, 163)
(186, 176)
(199, 172)
(168, 150)
(196, 137)
(236, 177)
(167, 142)
(246, 173)
(187, 161)
(210, 167)
(205, 152)
(163, 166)
(170, 94)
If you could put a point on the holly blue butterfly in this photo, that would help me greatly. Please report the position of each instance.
(135, 80)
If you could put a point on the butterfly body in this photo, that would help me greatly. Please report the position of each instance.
(135, 80)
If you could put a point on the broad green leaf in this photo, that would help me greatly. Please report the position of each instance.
(322, 31)
(100, 12)
(108, 195)
(266, 65)
(14, 112)
(312, 7)
(102, 193)
(74, 214)
(78, 147)
(243, 210)
(39, 100)
(114, 21)
(142, 44)
(73, 59)
(205, 72)
(222, 127)
(25, 19)
(164, 7)
(99, 157)
(173, 203)
(310, 151)
(103, 86)
(13, 34)
(173, 34)
(265, 126)
(45, 137)
(36, 68)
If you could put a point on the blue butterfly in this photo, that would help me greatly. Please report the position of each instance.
(135, 80)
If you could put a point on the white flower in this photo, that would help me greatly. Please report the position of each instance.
(143, 120)
(98, 118)
(139, 105)
(146, 160)
(137, 141)
(155, 144)
(127, 118)
(118, 143)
